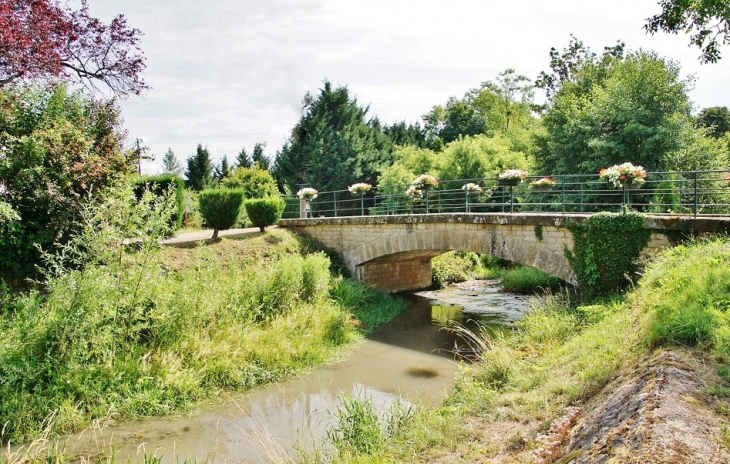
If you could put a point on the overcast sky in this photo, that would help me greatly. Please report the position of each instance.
(230, 73)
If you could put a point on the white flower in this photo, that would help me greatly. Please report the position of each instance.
(307, 193)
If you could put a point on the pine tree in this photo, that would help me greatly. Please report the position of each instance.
(259, 157)
(242, 160)
(222, 170)
(200, 168)
(170, 163)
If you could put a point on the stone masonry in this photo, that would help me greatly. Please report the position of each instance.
(394, 252)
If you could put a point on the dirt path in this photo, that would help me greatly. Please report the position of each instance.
(206, 234)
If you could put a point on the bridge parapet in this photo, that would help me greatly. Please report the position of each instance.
(394, 252)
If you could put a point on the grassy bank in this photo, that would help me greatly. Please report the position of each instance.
(560, 355)
(144, 330)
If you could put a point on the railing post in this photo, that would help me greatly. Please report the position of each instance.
(562, 198)
(696, 199)
(334, 195)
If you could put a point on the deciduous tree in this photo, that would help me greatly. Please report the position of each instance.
(42, 39)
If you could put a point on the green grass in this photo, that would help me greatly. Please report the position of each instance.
(529, 280)
(559, 355)
(154, 331)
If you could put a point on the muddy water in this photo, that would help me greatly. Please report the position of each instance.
(411, 359)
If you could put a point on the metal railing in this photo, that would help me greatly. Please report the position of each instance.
(678, 193)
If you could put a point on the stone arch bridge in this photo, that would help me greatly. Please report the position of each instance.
(394, 253)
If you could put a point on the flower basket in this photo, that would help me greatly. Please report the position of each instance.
(307, 193)
(359, 189)
(510, 182)
(624, 175)
(425, 182)
(512, 177)
(471, 188)
(542, 185)
(414, 193)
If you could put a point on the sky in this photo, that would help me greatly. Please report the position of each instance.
(230, 73)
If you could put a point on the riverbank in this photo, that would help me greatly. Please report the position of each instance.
(601, 382)
(148, 331)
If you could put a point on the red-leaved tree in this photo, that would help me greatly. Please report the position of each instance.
(44, 39)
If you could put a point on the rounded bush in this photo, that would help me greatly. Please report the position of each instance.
(264, 212)
(220, 208)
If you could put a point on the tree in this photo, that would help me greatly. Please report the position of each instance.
(40, 39)
(220, 208)
(222, 169)
(709, 20)
(170, 163)
(716, 119)
(611, 110)
(199, 172)
(403, 134)
(254, 182)
(264, 211)
(480, 157)
(258, 157)
(332, 146)
(58, 153)
(242, 160)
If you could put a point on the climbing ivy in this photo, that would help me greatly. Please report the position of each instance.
(605, 249)
(538, 232)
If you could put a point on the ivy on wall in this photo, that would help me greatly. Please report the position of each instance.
(605, 249)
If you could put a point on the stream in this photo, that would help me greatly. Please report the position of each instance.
(411, 359)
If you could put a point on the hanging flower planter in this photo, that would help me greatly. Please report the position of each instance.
(512, 177)
(543, 184)
(624, 175)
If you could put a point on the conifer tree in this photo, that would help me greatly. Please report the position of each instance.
(222, 170)
(170, 163)
(199, 173)
(243, 160)
(259, 157)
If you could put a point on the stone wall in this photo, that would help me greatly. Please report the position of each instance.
(394, 252)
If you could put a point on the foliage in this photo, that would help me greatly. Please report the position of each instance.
(170, 163)
(255, 182)
(454, 266)
(199, 172)
(243, 160)
(57, 149)
(333, 145)
(605, 249)
(479, 157)
(402, 134)
(528, 280)
(605, 111)
(716, 119)
(361, 430)
(621, 174)
(161, 186)
(41, 39)
(222, 170)
(501, 108)
(264, 212)
(220, 208)
(258, 158)
(141, 330)
(707, 19)
(690, 297)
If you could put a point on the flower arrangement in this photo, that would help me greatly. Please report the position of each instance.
(471, 187)
(545, 182)
(622, 174)
(512, 174)
(359, 189)
(424, 181)
(414, 192)
(307, 193)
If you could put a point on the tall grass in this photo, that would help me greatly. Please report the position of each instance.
(119, 333)
(529, 280)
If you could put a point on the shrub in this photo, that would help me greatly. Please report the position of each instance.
(160, 186)
(528, 280)
(264, 212)
(455, 266)
(220, 208)
(255, 183)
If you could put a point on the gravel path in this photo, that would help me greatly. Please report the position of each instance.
(208, 233)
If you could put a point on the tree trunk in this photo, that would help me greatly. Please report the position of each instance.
(215, 234)
(262, 229)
